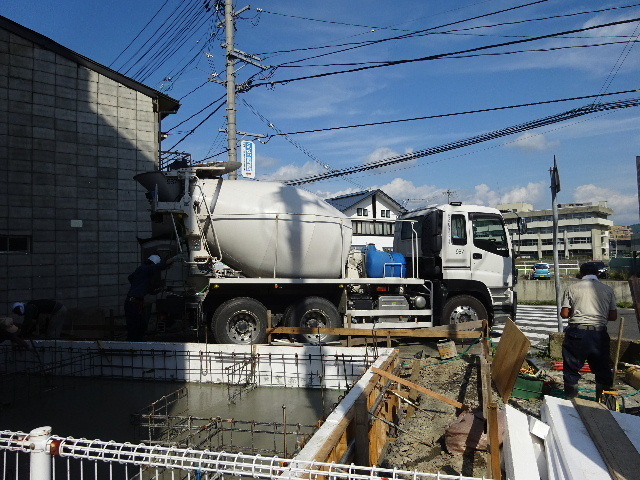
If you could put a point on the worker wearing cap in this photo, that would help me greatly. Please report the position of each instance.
(53, 312)
(143, 283)
(9, 331)
(588, 304)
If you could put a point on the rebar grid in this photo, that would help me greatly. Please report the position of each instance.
(242, 378)
(188, 460)
(166, 422)
(315, 370)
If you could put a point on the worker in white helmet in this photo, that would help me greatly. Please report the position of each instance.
(143, 283)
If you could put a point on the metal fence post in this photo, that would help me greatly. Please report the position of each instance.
(40, 457)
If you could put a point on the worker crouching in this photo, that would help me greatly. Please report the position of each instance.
(142, 284)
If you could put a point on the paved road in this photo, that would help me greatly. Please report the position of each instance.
(538, 321)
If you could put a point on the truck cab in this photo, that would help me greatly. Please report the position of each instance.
(465, 251)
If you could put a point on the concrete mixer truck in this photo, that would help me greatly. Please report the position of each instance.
(289, 252)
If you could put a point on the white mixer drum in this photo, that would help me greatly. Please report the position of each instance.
(267, 229)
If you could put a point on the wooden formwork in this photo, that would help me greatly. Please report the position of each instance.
(366, 426)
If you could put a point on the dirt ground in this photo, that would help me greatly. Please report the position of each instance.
(420, 444)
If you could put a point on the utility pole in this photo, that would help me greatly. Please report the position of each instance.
(555, 188)
(232, 54)
(448, 193)
(231, 85)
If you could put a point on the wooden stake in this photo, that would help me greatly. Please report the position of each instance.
(421, 389)
(494, 442)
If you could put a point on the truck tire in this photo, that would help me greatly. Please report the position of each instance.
(463, 308)
(313, 312)
(240, 321)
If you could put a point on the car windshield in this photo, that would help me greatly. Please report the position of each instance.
(541, 266)
(597, 264)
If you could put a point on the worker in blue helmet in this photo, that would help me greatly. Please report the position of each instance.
(143, 282)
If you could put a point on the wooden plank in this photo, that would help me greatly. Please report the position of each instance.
(619, 454)
(494, 442)
(512, 350)
(382, 332)
(416, 367)
(421, 389)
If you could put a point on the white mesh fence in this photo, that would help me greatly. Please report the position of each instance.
(25, 456)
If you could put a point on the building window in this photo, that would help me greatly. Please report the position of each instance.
(372, 228)
(15, 243)
(363, 212)
(385, 213)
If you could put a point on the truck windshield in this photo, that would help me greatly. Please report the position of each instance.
(489, 233)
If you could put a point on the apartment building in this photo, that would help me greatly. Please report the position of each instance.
(583, 230)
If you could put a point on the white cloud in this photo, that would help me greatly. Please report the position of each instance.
(483, 195)
(291, 172)
(532, 142)
(625, 207)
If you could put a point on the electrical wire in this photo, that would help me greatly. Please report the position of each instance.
(197, 126)
(139, 33)
(486, 54)
(197, 113)
(408, 35)
(467, 112)
(561, 117)
(442, 55)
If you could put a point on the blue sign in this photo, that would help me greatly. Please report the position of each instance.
(248, 155)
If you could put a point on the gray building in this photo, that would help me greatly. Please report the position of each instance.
(73, 133)
(583, 230)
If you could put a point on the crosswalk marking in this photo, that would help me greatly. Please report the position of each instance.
(535, 321)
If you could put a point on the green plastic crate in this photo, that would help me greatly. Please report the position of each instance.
(527, 387)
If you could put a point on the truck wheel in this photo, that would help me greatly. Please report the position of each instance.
(463, 308)
(241, 321)
(313, 312)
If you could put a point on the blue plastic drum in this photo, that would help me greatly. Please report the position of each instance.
(384, 264)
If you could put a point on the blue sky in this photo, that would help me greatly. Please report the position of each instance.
(595, 153)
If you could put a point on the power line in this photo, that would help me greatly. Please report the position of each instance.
(197, 126)
(442, 55)
(486, 54)
(408, 35)
(561, 117)
(467, 112)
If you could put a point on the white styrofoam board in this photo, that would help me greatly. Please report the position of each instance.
(289, 366)
(578, 455)
(555, 468)
(519, 455)
(541, 460)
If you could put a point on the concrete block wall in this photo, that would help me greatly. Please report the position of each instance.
(545, 290)
(71, 141)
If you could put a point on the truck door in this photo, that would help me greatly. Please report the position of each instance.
(456, 248)
(491, 262)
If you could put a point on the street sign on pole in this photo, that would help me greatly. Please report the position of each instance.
(248, 155)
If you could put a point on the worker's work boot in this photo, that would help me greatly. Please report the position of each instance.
(599, 389)
(570, 391)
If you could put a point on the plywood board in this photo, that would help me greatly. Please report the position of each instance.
(512, 350)
(619, 454)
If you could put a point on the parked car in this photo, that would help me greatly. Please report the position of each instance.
(540, 270)
(603, 269)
